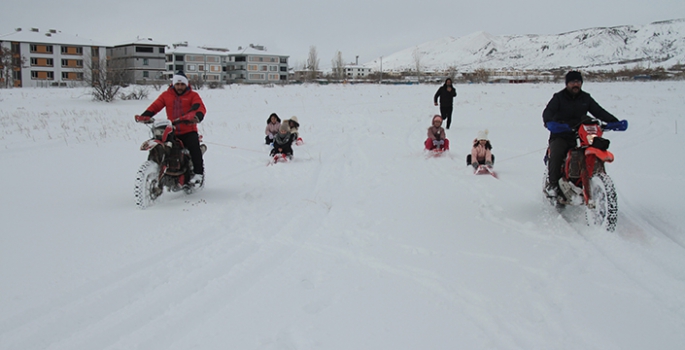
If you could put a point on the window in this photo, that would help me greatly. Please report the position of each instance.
(273, 76)
(170, 67)
(169, 58)
(146, 62)
(240, 58)
(215, 68)
(213, 59)
(42, 75)
(179, 57)
(72, 63)
(145, 49)
(146, 74)
(72, 76)
(263, 68)
(255, 76)
(284, 77)
(284, 60)
(284, 69)
(161, 50)
(273, 68)
(179, 67)
(41, 48)
(201, 67)
(251, 67)
(72, 50)
(15, 47)
(191, 67)
(42, 62)
(95, 51)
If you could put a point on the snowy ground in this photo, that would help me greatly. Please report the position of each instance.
(360, 243)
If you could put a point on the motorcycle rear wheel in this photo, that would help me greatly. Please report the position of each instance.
(604, 212)
(147, 187)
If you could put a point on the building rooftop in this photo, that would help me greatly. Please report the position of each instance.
(49, 36)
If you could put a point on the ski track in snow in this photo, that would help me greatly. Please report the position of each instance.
(361, 233)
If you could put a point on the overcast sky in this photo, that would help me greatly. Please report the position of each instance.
(368, 29)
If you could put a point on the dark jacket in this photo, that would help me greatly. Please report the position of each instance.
(446, 97)
(566, 108)
(284, 142)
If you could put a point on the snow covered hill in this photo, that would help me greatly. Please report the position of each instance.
(659, 44)
(361, 242)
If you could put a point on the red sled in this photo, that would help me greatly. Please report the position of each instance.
(299, 142)
(484, 169)
(279, 158)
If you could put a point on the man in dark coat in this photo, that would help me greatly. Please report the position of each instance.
(562, 116)
(446, 93)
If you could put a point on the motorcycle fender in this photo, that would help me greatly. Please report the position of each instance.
(150, 144)
(602, 155)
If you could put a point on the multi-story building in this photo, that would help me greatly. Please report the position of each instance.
(196, 62)
(142, 60)
(355, 71)
(50, 58)
(254, 64)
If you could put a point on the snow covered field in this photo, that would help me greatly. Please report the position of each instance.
(360, 243)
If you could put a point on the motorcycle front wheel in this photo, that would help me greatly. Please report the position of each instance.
(602, 211)
(147, 187)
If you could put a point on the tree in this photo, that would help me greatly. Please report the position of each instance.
(10, 62)
(104, 78)
(312, 63)
(417, 56)
(338, 66)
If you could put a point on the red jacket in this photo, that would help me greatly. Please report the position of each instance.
(179, 105)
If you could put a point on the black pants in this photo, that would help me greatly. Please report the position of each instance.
(558, 148)
(468, 160)
(192, 143)
(268, 140)
(446, 114)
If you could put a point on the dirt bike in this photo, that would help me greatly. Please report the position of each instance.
(168, 164)
(584, 180)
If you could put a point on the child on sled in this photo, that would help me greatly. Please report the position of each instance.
(294, 125)
(272, 125)
(481, 152)
(437, 140)
(283, 142)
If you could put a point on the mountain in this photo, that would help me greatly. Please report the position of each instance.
(656, 44)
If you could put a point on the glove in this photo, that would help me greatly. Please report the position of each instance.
(271, 136)
(557, 128)
(143, 119)
(190, 118)
(617, 126)
(438, 143)
(186, 119)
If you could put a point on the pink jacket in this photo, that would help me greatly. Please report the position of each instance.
(436, 133)
(272, 129)
(480, 153)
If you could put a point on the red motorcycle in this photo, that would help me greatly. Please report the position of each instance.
(584, 179)
(168, 164)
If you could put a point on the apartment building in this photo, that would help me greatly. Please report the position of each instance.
(142, 60)
(253, 64)
(47, 58)
(196, 62)
(356, 71)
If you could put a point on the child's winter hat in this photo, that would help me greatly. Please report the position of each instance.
(438, 117)
(294, 119)
(179, 77)
(482, 135)
(284, 127)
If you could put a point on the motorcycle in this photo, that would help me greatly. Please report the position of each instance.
(168, 164)
(584, 180)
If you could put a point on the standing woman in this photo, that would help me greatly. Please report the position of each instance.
(446, 93)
